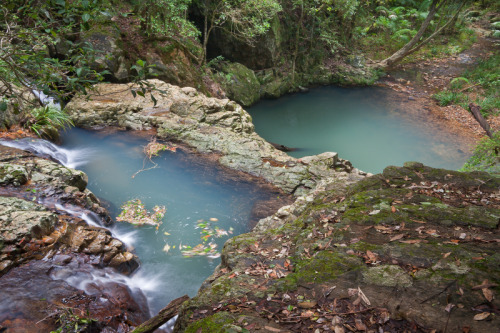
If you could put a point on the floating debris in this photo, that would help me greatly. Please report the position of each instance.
(133, 212)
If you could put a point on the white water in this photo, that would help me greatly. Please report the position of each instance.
(139, 281)
(69, 158)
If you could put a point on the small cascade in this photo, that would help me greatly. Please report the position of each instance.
(69, 158)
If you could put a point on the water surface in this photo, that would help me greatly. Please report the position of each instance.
(190, 191)
(372, 127)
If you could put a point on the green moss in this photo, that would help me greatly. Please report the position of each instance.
(387, 276)
(216, 323)
(325, 266)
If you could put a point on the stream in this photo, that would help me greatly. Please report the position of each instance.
(191, 191)
(372, 127)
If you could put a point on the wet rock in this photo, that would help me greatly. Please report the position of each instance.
(12, 175)
(44, 301)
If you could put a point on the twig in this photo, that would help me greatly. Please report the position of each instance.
(442, 291)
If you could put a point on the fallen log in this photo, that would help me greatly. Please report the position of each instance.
(475, 109)
(162, 317)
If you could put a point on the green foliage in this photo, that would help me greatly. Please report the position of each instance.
(486, 156)
(69, 322)
(31, 30)
(463, 89)
(446, 97)
(487, 75)
(166, 18)
(47, 120)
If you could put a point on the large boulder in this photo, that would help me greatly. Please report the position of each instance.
(239, 82)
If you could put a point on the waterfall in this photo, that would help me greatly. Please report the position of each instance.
(68, 158)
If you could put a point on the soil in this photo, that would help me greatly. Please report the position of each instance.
(419, 81)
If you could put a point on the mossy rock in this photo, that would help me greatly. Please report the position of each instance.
(239, 82)
(325, 266)
(220, 322)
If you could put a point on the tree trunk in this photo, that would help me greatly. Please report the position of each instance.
(438, 31)
(162, 317)
(476, 112)
(405, 50)
(297, 38)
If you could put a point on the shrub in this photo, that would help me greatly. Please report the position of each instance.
(46, 121)
(486, 156)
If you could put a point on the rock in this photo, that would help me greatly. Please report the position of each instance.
(24, 219)
(12, 175)
(209, 125)
(239, 83)
(410, 258)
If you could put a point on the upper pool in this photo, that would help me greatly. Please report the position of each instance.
(372, 127)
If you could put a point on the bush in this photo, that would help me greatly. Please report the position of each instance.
(46, 121)
(486, 156)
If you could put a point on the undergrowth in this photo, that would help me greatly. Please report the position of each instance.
(479, 85)
(486, 156)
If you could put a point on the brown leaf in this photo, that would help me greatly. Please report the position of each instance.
(307, 305)
(393, 209)
(372, 256)
(393, 238)
(307, 314)
(360, 326)
(485, 284)
(482, 316)
(411, 241)
(272, 329)
(445, 255)
(488, 294)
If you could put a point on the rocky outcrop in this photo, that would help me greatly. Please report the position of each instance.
(210, 125)
(39, 204)
(411, 249)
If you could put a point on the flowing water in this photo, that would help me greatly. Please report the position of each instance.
(190, 191)
(372, 127)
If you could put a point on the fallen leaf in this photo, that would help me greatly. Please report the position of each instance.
(482, 316)
(393, 209)
(360, 326)
(488, 294)
(396, 237)
(272, 329)
(411, 241)
(448, 307)
(445, 255)
(307, 305)
(307, 314)
(485, 284)
(371, 255)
